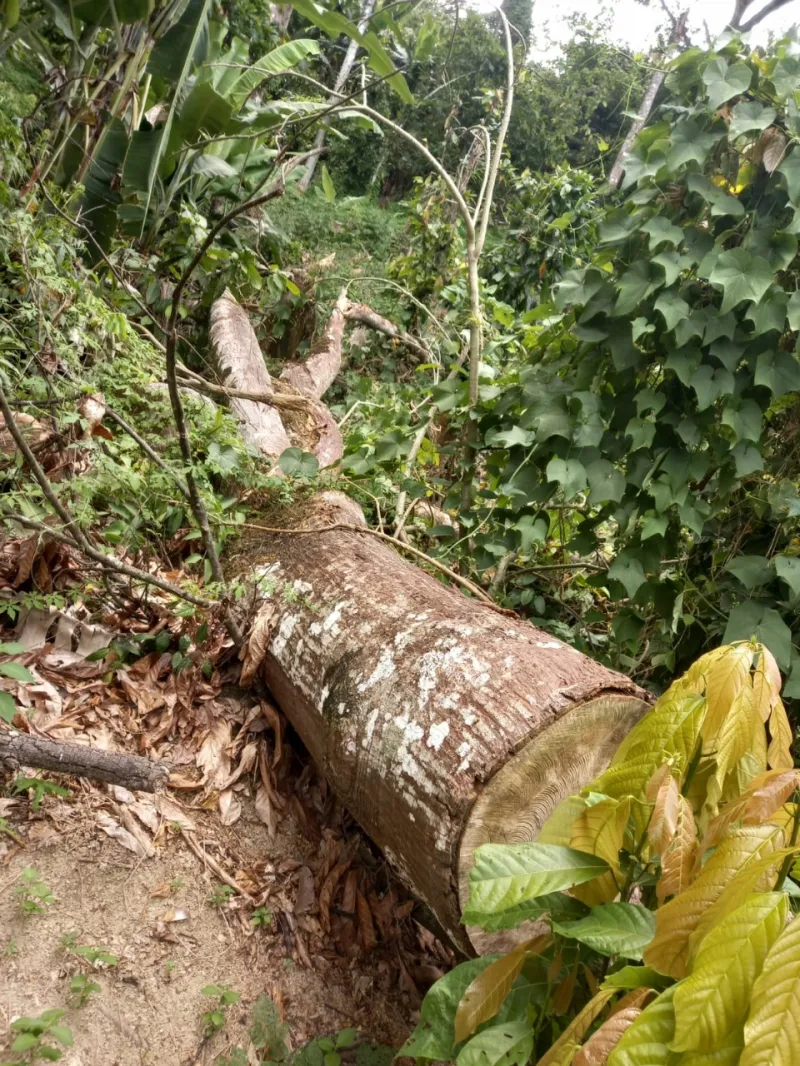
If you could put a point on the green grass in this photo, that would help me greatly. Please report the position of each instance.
(363, 235)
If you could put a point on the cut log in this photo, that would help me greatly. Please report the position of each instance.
(440, 722)
(132, 771)
(235, 346)
(311, 426)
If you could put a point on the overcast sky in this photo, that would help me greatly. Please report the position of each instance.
(636, 26)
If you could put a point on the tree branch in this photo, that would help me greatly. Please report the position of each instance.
(364, 314)
(754, 20)
(44, 482)
(109, 562)
(132, 771)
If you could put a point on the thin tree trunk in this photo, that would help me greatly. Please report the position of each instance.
(646, 106)
(343, 75)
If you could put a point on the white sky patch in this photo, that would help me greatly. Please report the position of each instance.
(637, 27)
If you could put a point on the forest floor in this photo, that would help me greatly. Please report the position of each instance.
(132, 874)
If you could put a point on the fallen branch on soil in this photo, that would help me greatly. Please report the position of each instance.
(131, 771)
(212, 863)
(287, 401)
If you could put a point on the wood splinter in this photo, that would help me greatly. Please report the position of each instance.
(134, 772)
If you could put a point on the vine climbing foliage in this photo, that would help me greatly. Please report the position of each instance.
(657, 405)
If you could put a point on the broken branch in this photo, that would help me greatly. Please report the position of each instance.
(132, 771)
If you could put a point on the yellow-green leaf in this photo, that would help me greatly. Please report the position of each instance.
(726, 1055)
(766, 683)
(673, 727)
(772, 1030)
(577, 1028)
(736, 731)
(558, 827)
(677, 920)
(779, 753)
(710, 1003)
(646, 1042)
(485, 996)
(725, 677)
(600, 831)
(327, 184)
(758, 875)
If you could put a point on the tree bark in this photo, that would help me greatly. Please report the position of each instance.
(441, 723)
(132, 771)
(341, 78)
(646, 106)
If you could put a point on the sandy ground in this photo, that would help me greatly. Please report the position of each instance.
(150, 1005)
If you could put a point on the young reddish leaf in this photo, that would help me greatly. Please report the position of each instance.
(764, 796)
(601, 1043)
(485, 996)
(577, 1028)
(664, 821)
(677, 862)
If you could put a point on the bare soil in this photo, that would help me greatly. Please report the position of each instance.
(150, 1005)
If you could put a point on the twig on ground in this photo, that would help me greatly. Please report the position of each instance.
(109, 562)
(212, 863)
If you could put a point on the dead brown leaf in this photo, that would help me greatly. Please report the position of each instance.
(112, 828)
(247, 761)
(306, 897)
(366, 928)
(230, 808)
(255, 650)
(212, 758)
(331, 883)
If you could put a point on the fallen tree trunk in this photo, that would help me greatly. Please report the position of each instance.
(441, 723)
(132, 771)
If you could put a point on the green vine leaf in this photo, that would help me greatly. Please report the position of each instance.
(570, 475)
(741, 277)
(689, 144)
(627, 569)
(745, 420)
(748, 116)
(724, 81)
(779, 372)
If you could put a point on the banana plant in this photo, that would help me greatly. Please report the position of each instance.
(197, 103)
